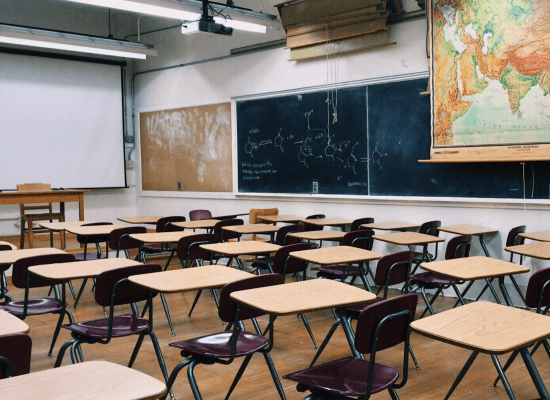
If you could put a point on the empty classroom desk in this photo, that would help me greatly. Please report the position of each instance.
(473, 230)
(246, 248)
(391, 226)
(147, 220)
(11, 325)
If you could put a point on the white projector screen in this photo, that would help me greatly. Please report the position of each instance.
(60, 122)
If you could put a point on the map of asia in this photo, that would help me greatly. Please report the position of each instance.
(490, 80)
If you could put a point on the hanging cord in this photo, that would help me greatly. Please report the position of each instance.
(523, 166)
(110, 34)
(139, 38)
(533, 187)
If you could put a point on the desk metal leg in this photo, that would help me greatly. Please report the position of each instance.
(462, 373)
(483, 246)
(505, 292)
(539, 384)
(348, 331)
(503, 377)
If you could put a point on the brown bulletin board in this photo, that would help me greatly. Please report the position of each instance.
(190, 146)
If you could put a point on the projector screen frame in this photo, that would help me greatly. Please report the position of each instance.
(69, 57)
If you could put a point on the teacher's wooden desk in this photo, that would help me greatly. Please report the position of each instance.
(90, 380)
(48, 196)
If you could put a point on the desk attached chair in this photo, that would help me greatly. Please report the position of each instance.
(47, 214)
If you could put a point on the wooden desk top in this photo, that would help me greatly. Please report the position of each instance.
(306, 296)
(93, 230)
(391, 226)
(8, 257)
(327, 221)
(467, 230)
(161, 237)
(90, 380)
(251, 228)
(10, 324)
(61, 226)
(13, 247)
(280, 218)
(336, 255)
(234, 249)
(543, 236)
(473, 268)
(79, 269)
(536, 250)
(182, 280)
(408, 238)
(199, 224)
(485, 327)
(328, 234)
(149, 220)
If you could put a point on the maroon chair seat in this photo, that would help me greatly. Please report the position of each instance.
(38, 306)
(339, 270)
(380, 326)
(123, 325)
(436, 279)
(219, 345)
(224, 348)
(346, 377)
(89, 256)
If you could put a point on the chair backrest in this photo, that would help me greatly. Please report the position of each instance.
(356, 225)
(513, 239)
(4, 247)
(188, 247)
(393, 269)
(309, 227)
(165, 224)
(430, 228)
(226, 311)
(261, 212)
(21, 266)
(34, 187)
(119, 239)
(195, 215)
(458, 247)
(293, 265)
(392, 332)
(16, 349)
(126, 292)
(361, 239)
(226, 235)
(536, 287)
(282, 238)
(95, 238)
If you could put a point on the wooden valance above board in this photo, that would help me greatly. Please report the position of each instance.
(320, 28)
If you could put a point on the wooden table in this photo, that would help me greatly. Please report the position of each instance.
(391, 226)
(280, 218)
(147, 220)
(470, 230)
(235, 249)
(252, 229)
(474, 268)
(328, 222)
(90, 380)
(330, 235)
(93, 230)
(8, 257)
(80, 270)
(543, 236)
(190, 279)
(62, 227)
(198, 224)
(492, 329)
(160, 237)
(48, 196)
(11, 325)
(536, 250)
(306, 296)
(410, 239)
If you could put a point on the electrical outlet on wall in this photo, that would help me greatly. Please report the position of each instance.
(315, 189)
(179, 185)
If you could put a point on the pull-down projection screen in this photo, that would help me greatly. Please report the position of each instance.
(60, 123)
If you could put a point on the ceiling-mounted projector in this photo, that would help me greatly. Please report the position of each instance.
(205, 27)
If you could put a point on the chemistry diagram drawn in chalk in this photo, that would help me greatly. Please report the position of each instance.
(376, 154)
(310, 143)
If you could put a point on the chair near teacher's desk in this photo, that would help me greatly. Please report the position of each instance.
(47, 214)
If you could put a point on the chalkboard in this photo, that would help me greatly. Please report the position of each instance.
(382, 130)
(285, 144)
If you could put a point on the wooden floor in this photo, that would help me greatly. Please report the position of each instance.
(293, 350)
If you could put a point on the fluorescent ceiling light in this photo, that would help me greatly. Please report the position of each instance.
(71, 42)
(143, 8)
(241, 25)
(170, 9)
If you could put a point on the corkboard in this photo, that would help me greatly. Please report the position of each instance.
(188, 145)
